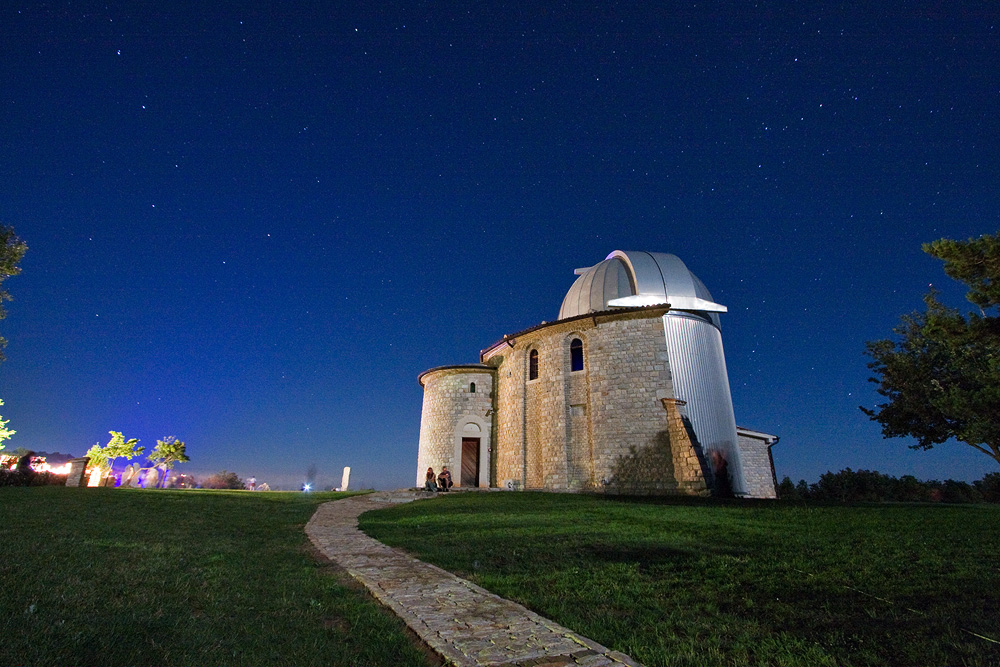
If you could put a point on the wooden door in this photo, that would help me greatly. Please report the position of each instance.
(470, 462)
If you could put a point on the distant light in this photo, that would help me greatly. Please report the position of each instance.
(307, 487)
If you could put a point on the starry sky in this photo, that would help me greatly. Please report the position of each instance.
(252, 225)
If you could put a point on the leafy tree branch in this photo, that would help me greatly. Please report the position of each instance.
(5, 432)
(104, 457)
(12, 250)
(168, 452)
(941, 374)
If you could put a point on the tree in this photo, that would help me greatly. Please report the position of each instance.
(942, 376)
(5, 432)
(786, 489)
(167, 453)
(976, 263)
(118, 446)
(12, 250)
(989, 487)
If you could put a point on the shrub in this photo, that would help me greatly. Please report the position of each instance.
(223, 480)
(49, 479)
(28, 477)
(15, 477)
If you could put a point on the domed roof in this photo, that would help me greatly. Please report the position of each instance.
(637, 278)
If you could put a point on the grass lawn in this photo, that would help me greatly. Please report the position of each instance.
(133, 577)
(681, 582)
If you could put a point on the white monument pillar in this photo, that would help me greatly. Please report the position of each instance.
(346, 478)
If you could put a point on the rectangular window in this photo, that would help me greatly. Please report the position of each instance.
(576, 355)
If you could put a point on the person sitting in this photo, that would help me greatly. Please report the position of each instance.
(444, 479)
(429, 484)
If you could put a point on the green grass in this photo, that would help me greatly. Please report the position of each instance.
(680, 582)
(132, 577)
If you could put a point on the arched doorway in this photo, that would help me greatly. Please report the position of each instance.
(472, 453)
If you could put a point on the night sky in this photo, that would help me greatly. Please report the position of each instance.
(252, 226)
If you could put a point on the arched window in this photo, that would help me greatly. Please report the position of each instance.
(472, 387)
(576, 355)
(533, 365)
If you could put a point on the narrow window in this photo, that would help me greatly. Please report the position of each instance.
(533, 365)
(472, 387)
(576, 355)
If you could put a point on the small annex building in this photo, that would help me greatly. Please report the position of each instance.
(626, 392)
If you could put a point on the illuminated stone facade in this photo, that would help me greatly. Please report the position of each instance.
(458, 404)
(602, 428)
(595, 411)
(582, 430)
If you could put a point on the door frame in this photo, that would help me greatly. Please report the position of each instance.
(484, 447)
(475, 444)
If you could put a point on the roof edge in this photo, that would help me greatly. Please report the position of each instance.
(769, 437)
(665, 307)
(464, 367)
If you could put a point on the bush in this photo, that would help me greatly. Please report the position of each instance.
(15, 477)
(223, 480)
(28, 477)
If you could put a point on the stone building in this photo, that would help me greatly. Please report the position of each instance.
(626, 392)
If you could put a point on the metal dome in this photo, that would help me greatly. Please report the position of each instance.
(638, 278)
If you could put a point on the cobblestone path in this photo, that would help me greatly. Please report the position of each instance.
(465, 624)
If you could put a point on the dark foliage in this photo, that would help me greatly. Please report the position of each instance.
(223, 480)
(28, 477)
(871, 486)
(989, 486)
(12, 249)
(940, 376)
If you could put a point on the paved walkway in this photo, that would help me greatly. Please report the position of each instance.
(465, 624)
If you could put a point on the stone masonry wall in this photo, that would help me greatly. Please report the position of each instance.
(581, 430)
(448, 402)
(580, 474)
(77, 469)
(757, 469)
(508, 451)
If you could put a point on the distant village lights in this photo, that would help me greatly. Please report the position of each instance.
(38, 464)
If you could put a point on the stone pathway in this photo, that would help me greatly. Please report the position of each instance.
(465, 624)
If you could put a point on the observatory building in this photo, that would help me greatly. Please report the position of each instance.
(627, 392)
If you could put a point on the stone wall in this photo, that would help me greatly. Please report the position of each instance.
(613, 426)
(758, 467)
(77, 468)
(450, 412)
(601, 428)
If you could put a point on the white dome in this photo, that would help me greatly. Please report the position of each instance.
(638, 278)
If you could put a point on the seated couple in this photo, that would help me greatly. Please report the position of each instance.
(441, 483)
